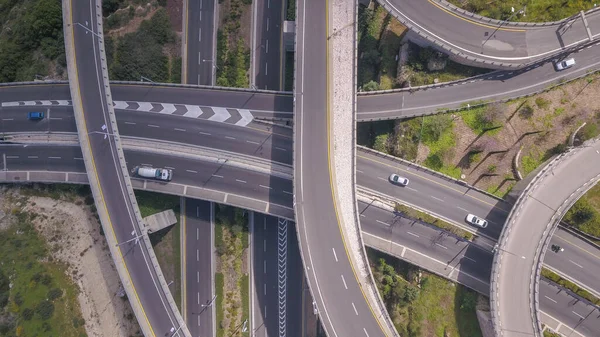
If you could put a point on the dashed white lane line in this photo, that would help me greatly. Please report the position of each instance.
(412, 189)
(191, 171)
(144, 164)
(354, 307)
(252, 142)
(199, 58)
(359, 171)
(198, 298)
(153, 126)
(413, 234)
(365, 330)
(383, 223)
(217, 176)
(288, 192)
(240, 181)
(197, 255)
(229, 137)
(53, 157)
(280, 148)
(8, 119)
(177, 129)
(205, 133)
(344, 282)
(265, 288)
(550, 299)
(462, 209)
(334, 254)
(578, 315)
(267, 47)
(436, 198)
(197, 277)
(264, 245)
(198, 320)
(264, 266)
(200, 33)
(575, 263)
(437, 244)
(197, 233)
(32, 157)
(76, 158)
(55, 118)
(130, 123)
(267, 187)
(384, 179)
(16, 157)
(169, 167)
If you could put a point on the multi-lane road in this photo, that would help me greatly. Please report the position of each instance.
(424, 240)
(267, 67)
(200, 44)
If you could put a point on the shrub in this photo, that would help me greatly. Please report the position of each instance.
(45, 310)
(27, 314)
(435, 126)
(589, 131)
(542, 103)
(526, 111)
(54, 293)
(469, 301)
(381, 143)
(4, 289)
(371, 86)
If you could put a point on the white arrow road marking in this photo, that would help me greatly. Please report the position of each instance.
(6, 104)
(46, 103)
(63, 102)
(246, 117)
(29, 103)
(193, 111)
(221, 114)
(120, 105)
(167, 108)
(144, 106)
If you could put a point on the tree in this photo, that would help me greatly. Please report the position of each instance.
(435, 126)
(27, 314)
(45, 309)
(4, 289)
(54, 293)
(581, 212)
(371, 86)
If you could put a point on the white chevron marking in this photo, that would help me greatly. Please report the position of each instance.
(144, 106)
(246, 117)
(6, 104)
(167, 108)
(221, 115)
(120, 105)
(193, 111)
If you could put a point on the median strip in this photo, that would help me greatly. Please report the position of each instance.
(552, 276)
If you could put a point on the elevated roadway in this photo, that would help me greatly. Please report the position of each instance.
(515, 292)
(488, 44)
(102, 154)
(471, 262)
(373, 106)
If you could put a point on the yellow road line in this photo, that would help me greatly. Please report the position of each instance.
(580, 248)
(431, 180)
(332, 172)
(76, 79)
(475, 22)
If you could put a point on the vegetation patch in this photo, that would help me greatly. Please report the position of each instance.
(550, 275)
(536, 11)
(584, 214)
(31, 40)
(423, 304)
(485, 119)
(43, 299)
(421, 216)
(233, 56)
(550, 333)
(232, 232)
(142, 53)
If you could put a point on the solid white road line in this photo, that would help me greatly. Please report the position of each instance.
(550, 299)
(344, 281)
(334, 254)
(468, 258)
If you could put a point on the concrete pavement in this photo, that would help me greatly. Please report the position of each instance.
(268, 44)
(200, 46)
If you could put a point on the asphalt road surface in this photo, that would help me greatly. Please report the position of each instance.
(201, 45)
(199, 267)
(268, 45)
(425, 239)
(106, 170)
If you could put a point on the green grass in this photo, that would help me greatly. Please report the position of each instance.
(437, 308)
(32, 276)
(569, 285)
(548, 333)
(415, 214)
(244, 284)
(475, 118)
(219, 284)
(531, 161)
(537, 10)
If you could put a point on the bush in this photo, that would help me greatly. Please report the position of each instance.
(526, 111)
(27, 314)
(371, 86)
(45, 310)
(542, 103)
(469, 301)
(4, 289)
(435, 126)
(381, 143)
(589, 131)
(54, 293)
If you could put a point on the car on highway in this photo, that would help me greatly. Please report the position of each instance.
(477, 221)
(35, 115)
(398, 180)
(562, 65)
(153, 173)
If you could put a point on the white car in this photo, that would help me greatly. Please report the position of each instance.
(398, 180)
(562, 65)
(479, 222)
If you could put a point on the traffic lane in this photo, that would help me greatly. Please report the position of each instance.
(200, 18)
(199, 278)
(464, 33)
(219, 177)
(39, 91)
(43, 158)
(294, 284)
(269, 32)
(204, 97)
(432, 241)
(110, 177)
(442, 201)
(579, 260)
(266, 275)
(57, 119)
(254, 140)
(557, 302)
(497, 85)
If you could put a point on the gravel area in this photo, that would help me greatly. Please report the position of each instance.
(342, 16)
